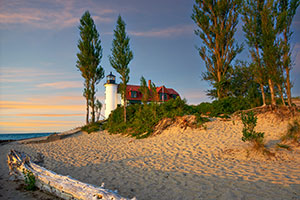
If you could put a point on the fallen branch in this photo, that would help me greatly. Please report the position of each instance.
(64, 187)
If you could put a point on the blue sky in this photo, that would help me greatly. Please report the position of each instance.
(40, 87)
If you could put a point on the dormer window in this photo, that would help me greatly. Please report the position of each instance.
(133, 94)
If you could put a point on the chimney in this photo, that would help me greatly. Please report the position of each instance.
(149, 84)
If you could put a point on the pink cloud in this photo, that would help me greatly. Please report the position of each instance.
(166, 32)
(26, 74)
(59, 14)
(62, 84)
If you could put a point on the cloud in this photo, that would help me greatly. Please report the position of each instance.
(9, 105)
(31, 75)
(49, 14)
(17, 75)
(62, 84)
(43, 115)
(166, 32)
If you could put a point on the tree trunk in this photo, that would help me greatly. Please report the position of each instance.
(271, 85)
(281, 94)
(87, 110)
(218, 86)
(93, 101)
(286, 63)
(61, 186)
(288, 86)
(263, 94)
(125, 109)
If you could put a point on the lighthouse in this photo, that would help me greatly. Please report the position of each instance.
(111, 94)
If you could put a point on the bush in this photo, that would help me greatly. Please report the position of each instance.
(92, 127)
(293, 132)
(29, 180)
(141, 119)
(249, 122)
(229, 105)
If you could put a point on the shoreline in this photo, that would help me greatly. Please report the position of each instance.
(180, 164)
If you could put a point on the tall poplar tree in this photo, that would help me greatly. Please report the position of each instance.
(287, 10)
(89, 57)
(121, 57)
(217, 21)
(251, 12)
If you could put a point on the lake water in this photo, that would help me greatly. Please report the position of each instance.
(21, 136)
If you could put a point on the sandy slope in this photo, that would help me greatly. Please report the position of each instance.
(178, 164)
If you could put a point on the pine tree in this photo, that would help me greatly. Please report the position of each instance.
(121, 57)
(88, 61)
(144, 89)
(98, 107)
(154, 98)
(287, 10)
(270, 45)
(217, 21)
(251, 12)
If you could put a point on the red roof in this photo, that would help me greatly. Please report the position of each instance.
(161, 89)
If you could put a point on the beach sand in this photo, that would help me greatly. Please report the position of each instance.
(177, 164)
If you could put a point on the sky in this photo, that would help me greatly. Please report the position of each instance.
(40, 86)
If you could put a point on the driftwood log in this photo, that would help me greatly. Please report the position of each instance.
(64, 187)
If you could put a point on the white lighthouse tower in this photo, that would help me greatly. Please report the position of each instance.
(111, 94)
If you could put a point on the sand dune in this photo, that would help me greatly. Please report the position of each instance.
(179, 164)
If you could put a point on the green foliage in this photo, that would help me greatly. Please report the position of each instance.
(222, 107)
(143, 118)
(144, 90)
(29, 180)
(244, 84)
(293, 132)
(92, 127)
(229, 105)
(217, 21)
(283, 146)
(249, 121)
(98, 107)
(89, 57)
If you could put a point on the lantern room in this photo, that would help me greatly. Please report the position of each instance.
(111, 79)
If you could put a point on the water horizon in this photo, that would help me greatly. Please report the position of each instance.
(21, 136)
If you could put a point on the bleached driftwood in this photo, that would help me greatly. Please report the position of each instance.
(62, 186)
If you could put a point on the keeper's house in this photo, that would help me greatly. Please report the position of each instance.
(133, 94)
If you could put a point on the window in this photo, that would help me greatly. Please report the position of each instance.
(163, 96)
(133, 94)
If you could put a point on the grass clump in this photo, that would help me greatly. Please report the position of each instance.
(283, 146)
(29, 180)
(256, 138)
(293, 132)
(92, 127)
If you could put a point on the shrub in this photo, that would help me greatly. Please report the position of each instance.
(229, 105)
(29, 180)
(293, 132)
(256, 138)
(141, 119)
(92, 127)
